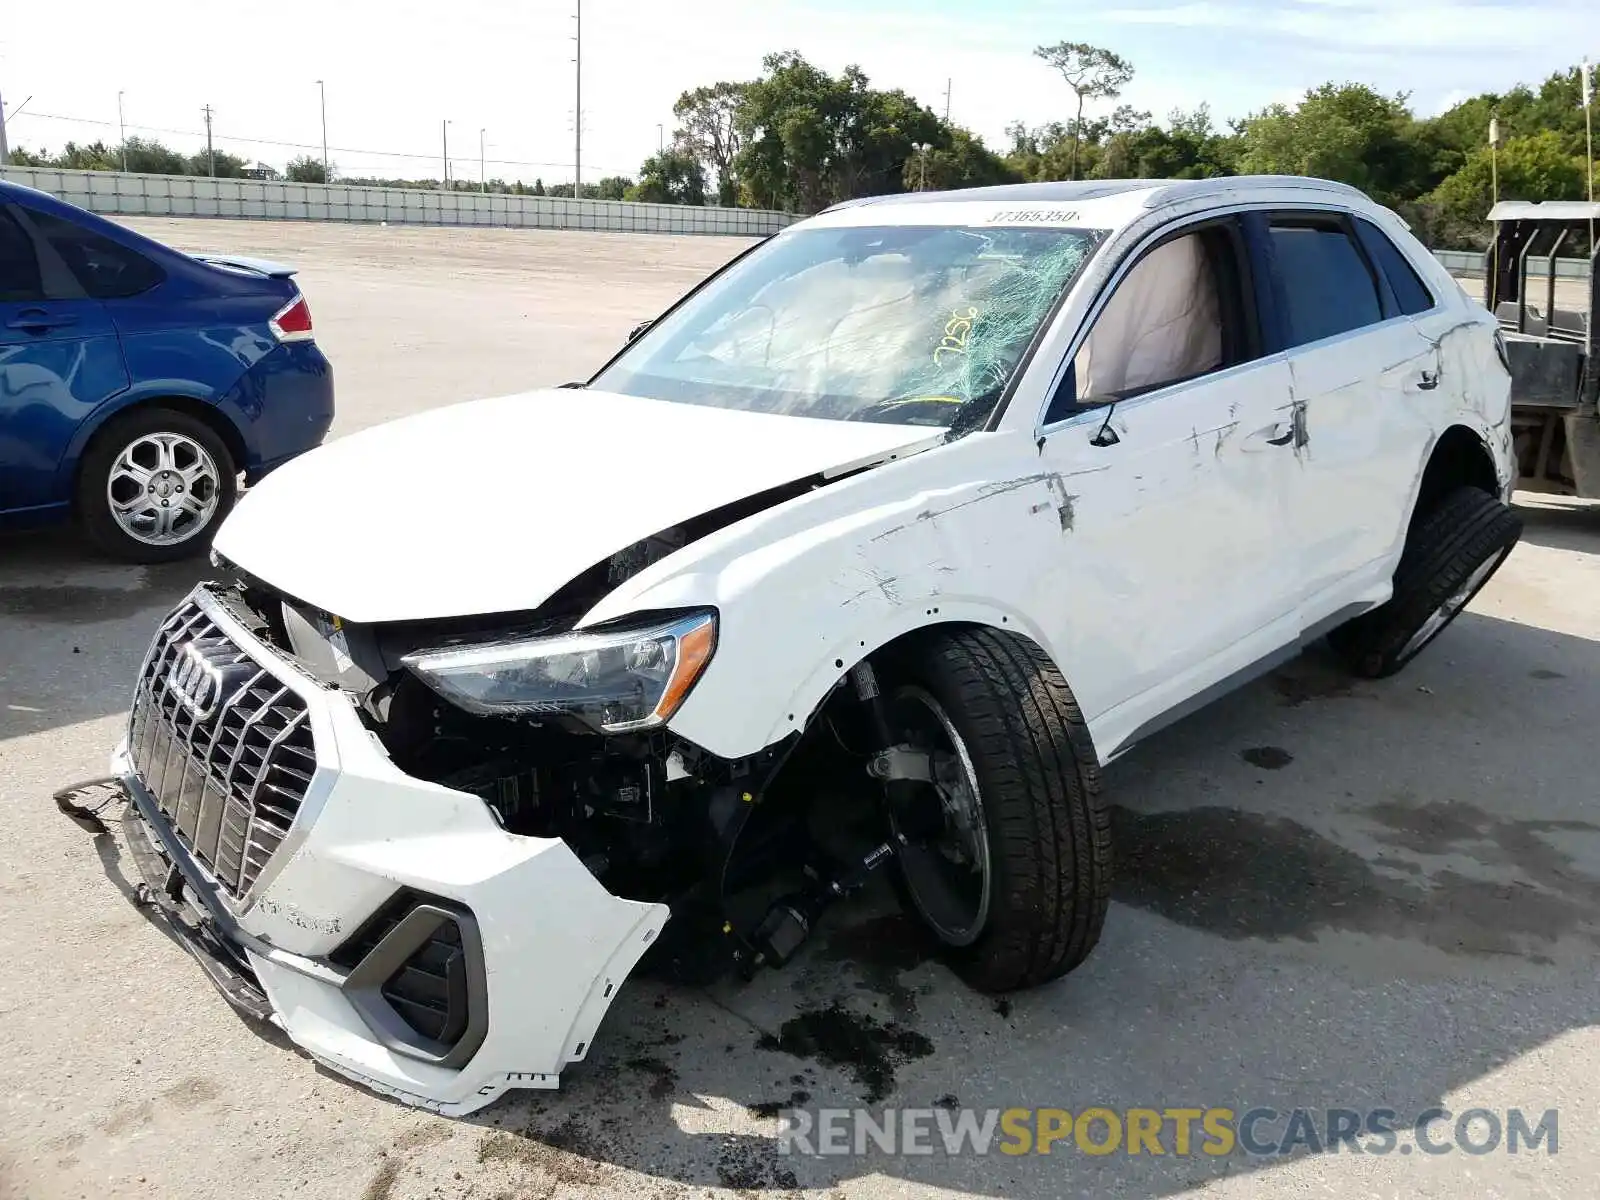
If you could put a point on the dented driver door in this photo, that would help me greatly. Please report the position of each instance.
(1177, 571)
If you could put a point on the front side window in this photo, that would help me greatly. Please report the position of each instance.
(913, 325)
(1162, 325)
(103, 269)
(19, 265)
(1328, 287)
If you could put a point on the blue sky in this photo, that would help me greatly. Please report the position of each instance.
(395, 70)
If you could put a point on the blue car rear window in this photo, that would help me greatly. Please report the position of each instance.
(105, 270)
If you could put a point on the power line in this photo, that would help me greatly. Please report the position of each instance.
(258, 141)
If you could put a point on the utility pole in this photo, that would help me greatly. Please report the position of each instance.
(577, 113)
(122, 132)
(1492, 291)
(948, 84)
(483, 174)
(661, 138)
(211, 155)
(323, 93)
(1587, 83)
(444, 137)
(5, 151)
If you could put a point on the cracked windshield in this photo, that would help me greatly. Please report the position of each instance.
(912, 325)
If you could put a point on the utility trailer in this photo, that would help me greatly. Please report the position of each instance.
(1550, 350)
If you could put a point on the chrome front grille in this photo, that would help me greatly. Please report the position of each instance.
(222, 744)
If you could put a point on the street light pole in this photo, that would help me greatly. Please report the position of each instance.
(661, 138)
(483, 174)
(5, 153)
(577, 113)
(1587, 83)
(323, 93)
(444, 137)
(122, 132)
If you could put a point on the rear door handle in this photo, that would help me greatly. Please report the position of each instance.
(37, 318)
(1284, 440)
(1428, 381)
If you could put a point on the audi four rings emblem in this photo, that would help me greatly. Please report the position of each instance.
(196, 681)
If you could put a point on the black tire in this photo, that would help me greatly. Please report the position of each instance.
(1467, 531)
(1038, 784)
(94, 473)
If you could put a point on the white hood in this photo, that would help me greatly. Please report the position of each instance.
(491, 506)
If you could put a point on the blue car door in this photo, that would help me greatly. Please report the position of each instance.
(59, 360)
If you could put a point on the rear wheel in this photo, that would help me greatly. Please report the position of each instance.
(1009, 861)
(1450, 554)
(154, 485)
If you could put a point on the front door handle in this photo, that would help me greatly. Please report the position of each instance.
(37, 318)
(1291, 432)
(1428, 381)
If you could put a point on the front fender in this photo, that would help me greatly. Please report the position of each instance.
(806, 590)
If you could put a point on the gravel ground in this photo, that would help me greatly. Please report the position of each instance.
(1332, 894)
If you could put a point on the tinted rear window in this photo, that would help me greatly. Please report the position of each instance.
(1409, 290)
(105, 270)
(19, 267)
(1327, 283)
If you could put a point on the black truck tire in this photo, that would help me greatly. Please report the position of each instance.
(1450, 553)
(1038, 788)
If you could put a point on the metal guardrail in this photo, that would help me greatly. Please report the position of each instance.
(115, 193)
(1470, 262)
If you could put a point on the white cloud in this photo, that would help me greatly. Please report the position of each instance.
(1417, 28)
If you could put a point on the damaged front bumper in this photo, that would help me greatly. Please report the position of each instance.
(388, 925)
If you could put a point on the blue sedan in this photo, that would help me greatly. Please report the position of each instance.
(137, 384)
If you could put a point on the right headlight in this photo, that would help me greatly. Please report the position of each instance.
(614, 679)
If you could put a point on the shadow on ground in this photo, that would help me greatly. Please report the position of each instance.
(74, 628)
(1291, 930)
(1561, 524)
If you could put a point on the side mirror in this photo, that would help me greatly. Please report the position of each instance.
(638, 329)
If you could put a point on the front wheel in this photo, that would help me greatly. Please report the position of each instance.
(1009, 861)
(154, 485)
(1449, 555)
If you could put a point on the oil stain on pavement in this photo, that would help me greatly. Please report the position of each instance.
(859, 1045)
(1241, 874)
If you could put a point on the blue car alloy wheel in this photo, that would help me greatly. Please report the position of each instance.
(155, 485)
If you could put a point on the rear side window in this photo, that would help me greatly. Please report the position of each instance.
(19, 266)
(105, 270)
(1410, 292)
(1328, 287)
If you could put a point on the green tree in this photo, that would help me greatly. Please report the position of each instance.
(1345, 132)
(960, 161)
(226, 166)
(1531, 168)
(1093, 73)
(708, 124)
(812, 139)
(305, 169)
(538, 187)
(613, 187)
(674, 176)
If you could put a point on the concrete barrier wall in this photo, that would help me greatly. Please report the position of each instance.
(115, 193)
(1470, 262)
